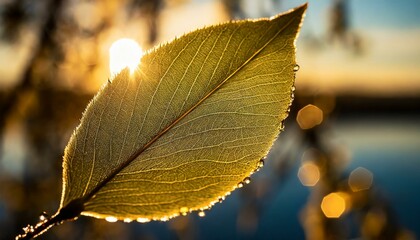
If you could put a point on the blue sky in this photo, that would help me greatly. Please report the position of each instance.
(386, 13)
(369, 13)
(389, 29)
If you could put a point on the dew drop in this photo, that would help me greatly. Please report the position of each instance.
(128, 220)
(212, 203)
(247, 180)
(111, 219)
(296, 68)
(43, 217)
(241, 184)
(201, 214)
(259, 166)
(221, 199)
(282, 126)
(164, 219)
(143, 220)
(183, 211)
(28, 229)
(261, 163)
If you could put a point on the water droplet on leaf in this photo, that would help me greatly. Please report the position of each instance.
(247, 180)
(143, 220)
(128, 220)
(201, 214)
(27, 228)
(43, 217)
(183, 211)
(241, 184)
(111, 219)
(261, 163)
(296, 68)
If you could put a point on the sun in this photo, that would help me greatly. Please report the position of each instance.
(124, 53)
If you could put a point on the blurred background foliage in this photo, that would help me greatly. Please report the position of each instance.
(346, 166)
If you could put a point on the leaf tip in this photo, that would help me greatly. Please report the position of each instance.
(302, 8)
(300, 11)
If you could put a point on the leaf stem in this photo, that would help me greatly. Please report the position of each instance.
(68, 213)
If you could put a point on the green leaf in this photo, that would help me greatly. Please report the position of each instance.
(188, 126)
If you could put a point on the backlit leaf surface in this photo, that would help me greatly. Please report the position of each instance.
(190, 124)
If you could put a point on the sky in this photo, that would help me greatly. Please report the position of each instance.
(390, 63)
(389, 14)
(389, 31)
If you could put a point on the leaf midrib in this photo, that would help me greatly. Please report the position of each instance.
(124, 164)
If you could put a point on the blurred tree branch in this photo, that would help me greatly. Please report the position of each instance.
(12, 17)
(46, 41)
(150, 9)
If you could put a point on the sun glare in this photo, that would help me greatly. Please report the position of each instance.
(124, 53)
